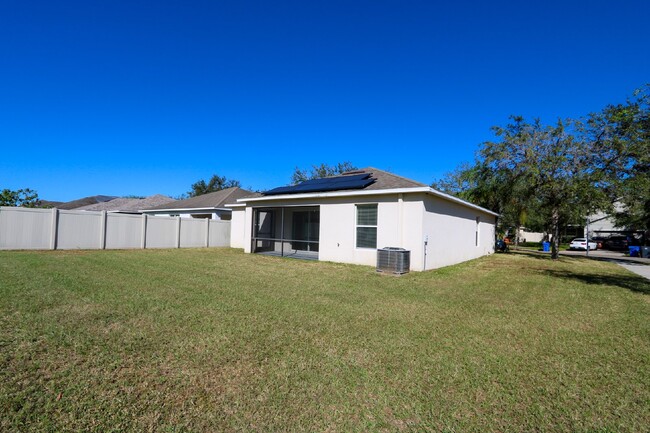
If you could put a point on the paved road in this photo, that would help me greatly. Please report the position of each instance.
(637, 265)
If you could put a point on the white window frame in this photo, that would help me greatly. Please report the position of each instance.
(357, 225)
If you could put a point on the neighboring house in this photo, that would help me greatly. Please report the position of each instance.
(129, 205)
(210, 206)
(604, 224)
(526, 236)
(76, 204)
(347, 218)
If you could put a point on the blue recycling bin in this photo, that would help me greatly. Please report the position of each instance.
(546, 246)
(635, 251)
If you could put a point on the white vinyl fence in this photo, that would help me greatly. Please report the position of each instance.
(50, 229)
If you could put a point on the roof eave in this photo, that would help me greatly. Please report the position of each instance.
(460, 201)
(183, 209)
(423, 189)
(333, 194)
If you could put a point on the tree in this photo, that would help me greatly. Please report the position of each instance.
(549, 171)
(553, 169)
(322, 170)
(620, 136)
(22, 197)
(493, 188)
(216, 183)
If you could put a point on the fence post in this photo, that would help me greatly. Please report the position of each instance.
(143, 241)
(178, 232)
(55, 228)
(102, 231)
(207, 232)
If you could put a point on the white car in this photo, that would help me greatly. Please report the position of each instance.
(581, 244)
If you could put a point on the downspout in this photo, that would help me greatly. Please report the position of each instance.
(400, 225)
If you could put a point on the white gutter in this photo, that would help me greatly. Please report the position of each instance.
(358, 193)
(184, 209)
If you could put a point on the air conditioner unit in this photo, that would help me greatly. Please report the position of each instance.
(393, 260)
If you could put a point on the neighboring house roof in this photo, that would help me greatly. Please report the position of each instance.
(75, 204)
(129, 204)
(385, 183)
(212, 200)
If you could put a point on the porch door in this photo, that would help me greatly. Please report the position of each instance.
(305, 227)
(265, 229)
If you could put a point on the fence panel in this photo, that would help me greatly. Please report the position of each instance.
(193, 232)
(42, 229)
(219, 233)
(123, 231)
(25, 229)
(161, 232)
(78, 230)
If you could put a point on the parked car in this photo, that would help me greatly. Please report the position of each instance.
(600, 241)
(581, 244)
(616, 243)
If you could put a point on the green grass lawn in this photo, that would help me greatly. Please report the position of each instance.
(215, 340)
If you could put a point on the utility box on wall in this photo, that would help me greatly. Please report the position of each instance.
(393, 260)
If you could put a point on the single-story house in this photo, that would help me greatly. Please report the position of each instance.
(209, 206)
(347, 218)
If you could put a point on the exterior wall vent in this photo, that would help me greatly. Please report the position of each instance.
(393, 260)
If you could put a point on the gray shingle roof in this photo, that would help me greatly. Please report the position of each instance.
(386, 180)
(216, 199)
(130, 204)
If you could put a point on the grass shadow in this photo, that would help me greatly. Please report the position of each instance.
(630, 282)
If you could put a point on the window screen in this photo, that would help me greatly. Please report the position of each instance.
(366, 226)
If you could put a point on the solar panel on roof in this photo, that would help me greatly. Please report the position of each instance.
(356, 181)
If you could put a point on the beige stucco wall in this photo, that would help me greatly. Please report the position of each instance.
(237, 231)
(403, 220)
(451, 230)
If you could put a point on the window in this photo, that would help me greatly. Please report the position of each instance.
(478, 220)
(366, 226)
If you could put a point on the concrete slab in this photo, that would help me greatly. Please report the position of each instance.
(637, 268)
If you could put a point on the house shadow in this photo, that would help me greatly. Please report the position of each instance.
(540, 255)
(630, 282)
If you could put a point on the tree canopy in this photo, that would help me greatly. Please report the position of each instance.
(621, 138)
(23, 197)
(547, 176)
(216, 183)
(321, 170)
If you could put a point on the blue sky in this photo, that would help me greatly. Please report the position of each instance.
(134, 97)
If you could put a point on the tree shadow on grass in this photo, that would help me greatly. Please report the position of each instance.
(629, 282)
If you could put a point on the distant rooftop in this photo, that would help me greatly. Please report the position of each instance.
(129, 204)
(212, 200)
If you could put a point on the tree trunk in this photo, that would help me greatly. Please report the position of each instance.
(517, 228)
(555, 245)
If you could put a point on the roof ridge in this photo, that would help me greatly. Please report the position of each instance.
(393, 174)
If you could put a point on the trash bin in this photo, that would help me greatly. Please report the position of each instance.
(645, 252)
(546, 246)
(635, 251)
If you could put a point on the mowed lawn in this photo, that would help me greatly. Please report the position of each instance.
(216, 340)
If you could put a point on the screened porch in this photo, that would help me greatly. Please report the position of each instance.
(287, 231)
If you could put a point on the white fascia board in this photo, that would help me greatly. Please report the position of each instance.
(186, 209)
(236, 205)
(460, 201)
(334, 194)
(422, 189)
